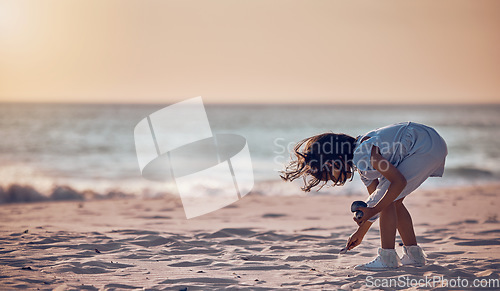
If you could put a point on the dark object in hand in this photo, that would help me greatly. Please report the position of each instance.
(355, 206)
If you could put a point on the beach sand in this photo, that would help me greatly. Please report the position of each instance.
(260, 242)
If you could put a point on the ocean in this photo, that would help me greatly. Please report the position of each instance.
(90, 147)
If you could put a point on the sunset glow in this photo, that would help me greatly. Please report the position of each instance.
(250, 51)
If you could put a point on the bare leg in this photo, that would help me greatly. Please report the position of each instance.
(388, 224)
(405, 224)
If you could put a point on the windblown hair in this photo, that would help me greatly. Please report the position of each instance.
(315, 157)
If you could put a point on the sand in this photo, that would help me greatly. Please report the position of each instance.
(257, 243)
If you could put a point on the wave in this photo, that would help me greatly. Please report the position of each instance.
(39, 192)
(16, 193)
(471, 172)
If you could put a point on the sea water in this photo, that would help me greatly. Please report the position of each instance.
(91, 146)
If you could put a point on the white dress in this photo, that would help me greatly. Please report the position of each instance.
(416, 150)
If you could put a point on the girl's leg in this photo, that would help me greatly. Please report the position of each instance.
(405, 224)
(387, 257)
(388, 224)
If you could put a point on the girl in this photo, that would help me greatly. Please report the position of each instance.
(392, 161)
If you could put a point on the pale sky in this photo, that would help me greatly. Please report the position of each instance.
(238, 51)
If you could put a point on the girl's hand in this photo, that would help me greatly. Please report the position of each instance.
(355, 239)
(368, 212)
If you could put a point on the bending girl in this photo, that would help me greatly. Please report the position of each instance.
(392, 162)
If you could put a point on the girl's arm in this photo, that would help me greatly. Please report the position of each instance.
(391, 173)
(356, 238)
(372, 187)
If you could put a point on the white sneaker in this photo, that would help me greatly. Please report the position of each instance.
(413, 255)
(386, 259)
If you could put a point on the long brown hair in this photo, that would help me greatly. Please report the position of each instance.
(315, 157)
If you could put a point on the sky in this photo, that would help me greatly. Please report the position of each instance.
(258, 51)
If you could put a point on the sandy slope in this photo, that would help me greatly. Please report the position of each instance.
(258, 243)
